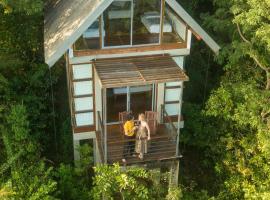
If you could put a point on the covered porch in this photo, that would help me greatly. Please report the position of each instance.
(135, 85)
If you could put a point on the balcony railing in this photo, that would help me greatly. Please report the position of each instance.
(161, 146)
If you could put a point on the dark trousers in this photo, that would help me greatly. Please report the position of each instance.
(129, 145)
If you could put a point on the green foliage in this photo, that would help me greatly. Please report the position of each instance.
(75, 182)
(28, 6)
(113, 183)
(174, 193)
(235, 123)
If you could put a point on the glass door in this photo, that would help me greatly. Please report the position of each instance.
(141, 99)
(116, 102)
(137, 99)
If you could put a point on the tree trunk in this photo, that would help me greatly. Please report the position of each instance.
(267, 80)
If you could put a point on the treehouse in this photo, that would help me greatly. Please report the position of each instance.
(123, 56)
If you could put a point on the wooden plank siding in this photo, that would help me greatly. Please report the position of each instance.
(138, 71)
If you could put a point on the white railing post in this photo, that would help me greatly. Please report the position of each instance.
(179, 118)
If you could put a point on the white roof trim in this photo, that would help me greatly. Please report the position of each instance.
(194, 25)
(54, 52)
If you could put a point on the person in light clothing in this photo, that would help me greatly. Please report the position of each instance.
(143, 135)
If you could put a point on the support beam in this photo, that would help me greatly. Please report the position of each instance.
(76, 145)
(105, 124)
(179, 117)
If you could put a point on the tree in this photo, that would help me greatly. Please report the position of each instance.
(28, 174)
(112, 182)
(240, 105)
(27, 6)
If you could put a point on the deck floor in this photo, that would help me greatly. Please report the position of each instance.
(161, 146)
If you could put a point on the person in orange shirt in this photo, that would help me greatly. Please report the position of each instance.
(129, 137)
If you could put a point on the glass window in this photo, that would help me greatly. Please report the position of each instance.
(117, 23)
(146, 22)
(90, 39)
(174, 30)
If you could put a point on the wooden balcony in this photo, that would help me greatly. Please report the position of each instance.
(162, 146)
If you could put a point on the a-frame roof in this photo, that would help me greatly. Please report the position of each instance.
(66, 20)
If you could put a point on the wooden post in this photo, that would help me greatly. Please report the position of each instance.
(105, 124)
(162, 12)
(179, 117)
(174, 173)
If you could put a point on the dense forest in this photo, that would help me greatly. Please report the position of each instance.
(225, 143)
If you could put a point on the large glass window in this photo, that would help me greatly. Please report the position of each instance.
(174, 30)
(133, 22)
(90, 39)
(117, 23)
(146, 21)
(137, 99)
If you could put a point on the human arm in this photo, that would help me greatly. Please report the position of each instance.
(148, 130)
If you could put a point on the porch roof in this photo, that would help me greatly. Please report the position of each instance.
(134, 71)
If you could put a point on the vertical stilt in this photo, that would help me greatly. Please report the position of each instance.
(76, 144)
(174, 173)
(179, 118)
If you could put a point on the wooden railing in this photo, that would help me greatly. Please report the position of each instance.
(159, 148)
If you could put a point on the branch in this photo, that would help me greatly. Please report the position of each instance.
(259, 63)
(251, 55)
(241, 34)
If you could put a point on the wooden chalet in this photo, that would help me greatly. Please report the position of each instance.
(123, 56)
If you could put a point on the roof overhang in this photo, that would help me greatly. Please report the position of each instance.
(65, 21)
(134, 71)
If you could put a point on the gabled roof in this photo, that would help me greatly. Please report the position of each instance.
(66, 20)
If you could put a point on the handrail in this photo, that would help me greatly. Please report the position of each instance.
(119, 141)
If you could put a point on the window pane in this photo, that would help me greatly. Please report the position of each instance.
(172, 109)
(117, 23)
(82, 88)
(82, 71)
(82, 104)
(174, 30)
(146, 22)
(84, 119)
(90, 39)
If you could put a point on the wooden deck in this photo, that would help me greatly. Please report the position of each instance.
(161, 146)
